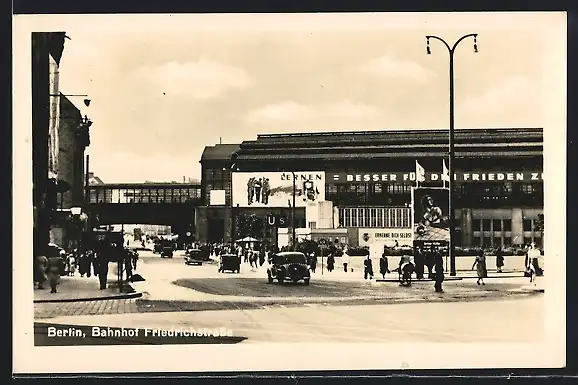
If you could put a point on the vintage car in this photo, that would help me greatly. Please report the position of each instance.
(229, 262)
(288, 266)
(167, 252)
(194, 257)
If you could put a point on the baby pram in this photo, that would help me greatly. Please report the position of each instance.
(406, 269)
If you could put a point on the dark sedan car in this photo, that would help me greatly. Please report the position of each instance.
(194, 257)
(288, 266)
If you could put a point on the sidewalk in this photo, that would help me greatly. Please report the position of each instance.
(76, 288)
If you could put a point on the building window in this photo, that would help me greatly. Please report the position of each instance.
(487, 241)
(395, 217)
(354, 222)
(507, 241)
(497, 241)
(527, 224)
(379, 220)
(486, 223)
(497, 225)
(507, 224)
(373, 217)
(527, 240)
(527, 188)
(476, 241)
(108, 196)
(476, 224)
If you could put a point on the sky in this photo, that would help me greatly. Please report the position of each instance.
(163, 87)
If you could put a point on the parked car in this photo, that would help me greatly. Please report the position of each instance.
(230, 262)
(290, 266)
(194, 257)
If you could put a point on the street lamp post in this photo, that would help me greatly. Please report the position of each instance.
(293, 212)
(451, 154)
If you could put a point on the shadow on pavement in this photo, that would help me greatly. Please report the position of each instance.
(45, 334)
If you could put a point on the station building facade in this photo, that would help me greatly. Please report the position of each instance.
(369, 176)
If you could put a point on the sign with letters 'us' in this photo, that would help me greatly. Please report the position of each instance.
(277, 220)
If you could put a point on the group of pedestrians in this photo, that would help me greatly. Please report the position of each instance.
(57, 262)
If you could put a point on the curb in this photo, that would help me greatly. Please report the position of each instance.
(427, 298)
(109, 297)
(129, 294)
(419, 280)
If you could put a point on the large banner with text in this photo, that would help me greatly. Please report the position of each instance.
(275, 189)
(430, 214)
(460, 176)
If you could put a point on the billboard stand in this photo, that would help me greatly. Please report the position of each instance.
(430, 219)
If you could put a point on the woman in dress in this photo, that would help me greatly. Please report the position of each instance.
(480, 265)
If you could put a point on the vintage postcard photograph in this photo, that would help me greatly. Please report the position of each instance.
(272, 192)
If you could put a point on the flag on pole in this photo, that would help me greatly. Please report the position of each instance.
(419, 173)
(446, 174)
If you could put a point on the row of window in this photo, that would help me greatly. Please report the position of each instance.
(488, 195)
(395, 217)
(504, 241)
(149, 195)
(501, 225)
(210, 174)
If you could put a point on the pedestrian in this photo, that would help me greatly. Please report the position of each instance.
(262, 256)
(419, 261)
(405, 270)
(40, 269)
(499, 259)
(128, 263)
(480, 265)
(534, 255)
(55, 266)
(439, 271)
(527, 261)
(71, 265)
(90, 264)
(330, 262)
(253, 258)
(368, 268)
(345, 259)
(313, 263)
(429, 262)
(383, 265)
(101, 264)
(134, 257)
